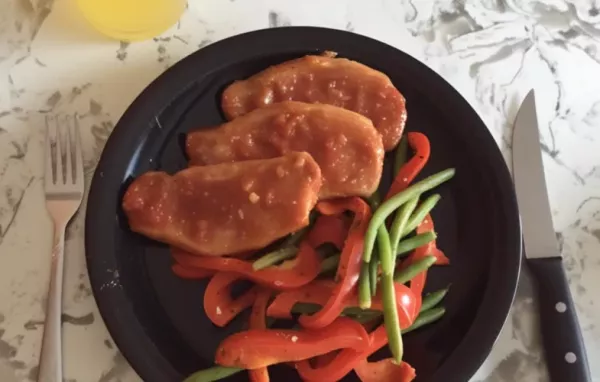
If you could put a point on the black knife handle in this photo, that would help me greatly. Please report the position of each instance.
(563, 343)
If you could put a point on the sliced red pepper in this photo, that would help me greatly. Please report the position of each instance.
(325, 359)
(292, 274)
(344, 362)
(417, 283)
(191, 273)
(329, 229)
(407, 302)
(242, 255)
(432, 249)
(219, 306)
(384, 370)
(258, 321)
(258, 317)
(440, 256)
(256, 348)
(198, 273)
(335, 370)
(408, 172)
(318, 292)
(350, 260)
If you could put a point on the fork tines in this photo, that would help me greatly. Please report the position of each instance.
(64, 162)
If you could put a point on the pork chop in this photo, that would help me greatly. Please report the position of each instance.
(323, 79)
(345, 144)
(225, 208)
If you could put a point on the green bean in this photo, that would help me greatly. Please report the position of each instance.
(415, 242)
(274, 257)
(399, 223)
(364, 287)
(401, 155)
(373, 276)
(212, 374)
(388, 294)
(385, 250)
(389, 206)
(330, 263)
(425, 318)
(294, 238)
(422, 210)
(390, 316)
(310, 308)
(432, 299)
(374, 200)
(414, 269)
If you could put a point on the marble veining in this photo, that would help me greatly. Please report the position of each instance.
(492, 51)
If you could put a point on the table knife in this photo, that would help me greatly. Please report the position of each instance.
(561, 334)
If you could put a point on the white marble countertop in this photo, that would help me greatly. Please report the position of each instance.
(492, 51)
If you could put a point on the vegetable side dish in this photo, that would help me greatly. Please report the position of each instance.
(286, 196)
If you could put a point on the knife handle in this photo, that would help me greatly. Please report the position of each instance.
(561, 334)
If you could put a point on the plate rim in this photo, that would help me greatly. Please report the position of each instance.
(147, 361)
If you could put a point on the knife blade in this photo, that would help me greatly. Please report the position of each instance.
(561, 335)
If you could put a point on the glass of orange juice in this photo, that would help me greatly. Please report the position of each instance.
(132, 19)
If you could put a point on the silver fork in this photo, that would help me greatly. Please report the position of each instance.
(63, 184)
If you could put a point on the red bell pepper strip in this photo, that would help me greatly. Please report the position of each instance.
(292, 274)
(408, 305)
(408, 172)
(329, 229)
(242, 255)
(417, 284)
(431, 250)
(258, 321)
(318, 292)
(219, 306)
(384, 370)
(441, 258)
(344, 362)
(191, 273)
(350, 260)
(198, 273)
(255, 348)
(325, 359)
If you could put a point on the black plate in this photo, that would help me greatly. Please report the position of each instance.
(157, 320)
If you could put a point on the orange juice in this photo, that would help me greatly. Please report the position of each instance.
(132, 19)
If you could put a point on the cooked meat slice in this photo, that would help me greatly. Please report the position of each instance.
(345, 144)
(324, 79)
(225, 208)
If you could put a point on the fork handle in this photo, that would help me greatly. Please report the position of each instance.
(51, 353)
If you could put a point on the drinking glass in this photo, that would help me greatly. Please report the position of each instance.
(130, 20)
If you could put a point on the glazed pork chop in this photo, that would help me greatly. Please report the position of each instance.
(323, 79)
(347, 147)
(226, 208)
